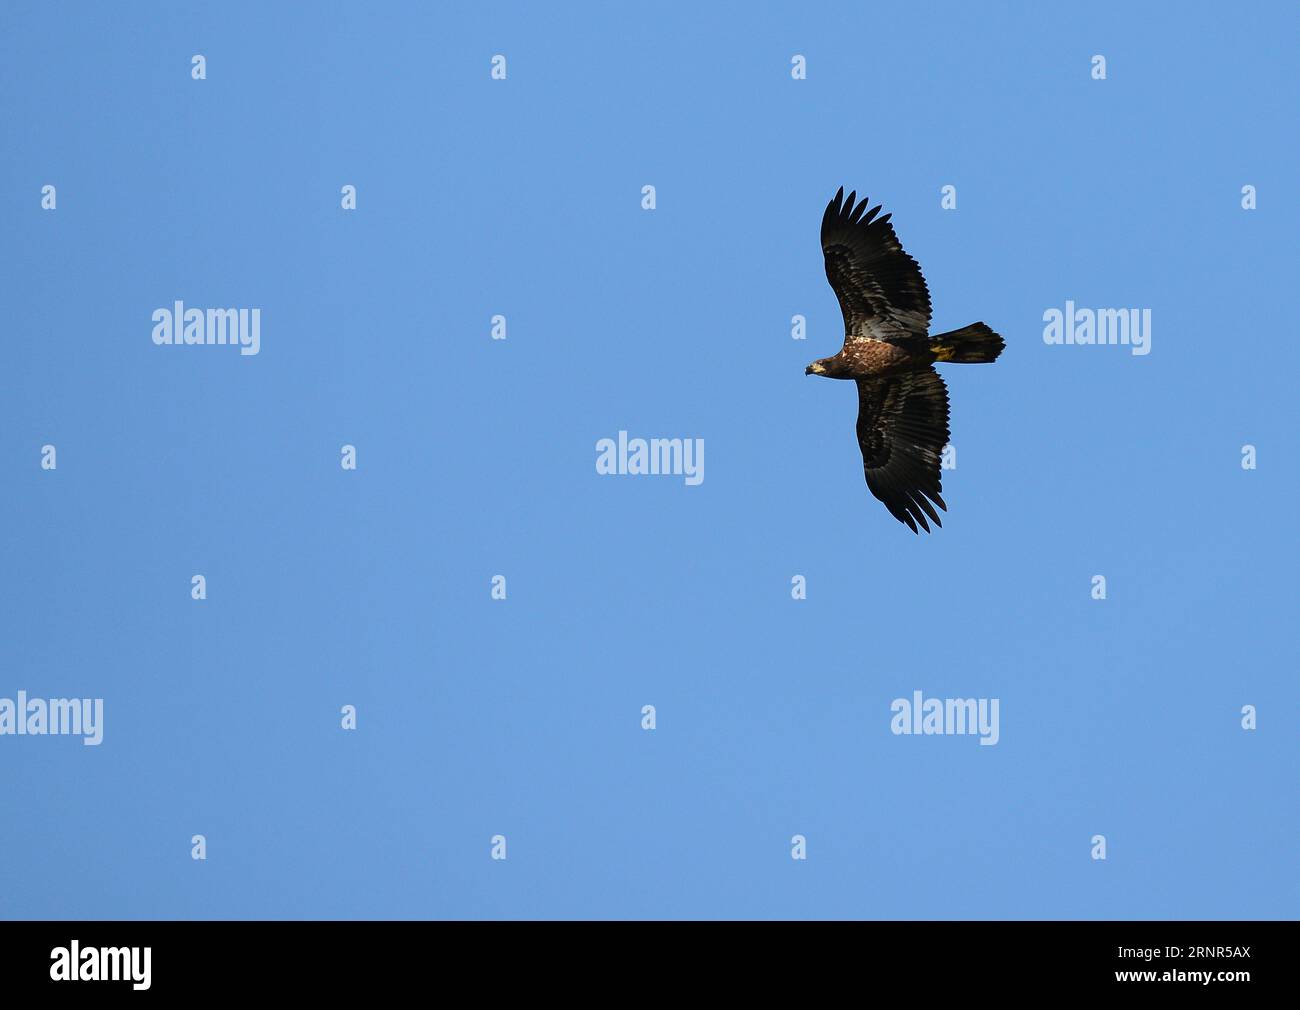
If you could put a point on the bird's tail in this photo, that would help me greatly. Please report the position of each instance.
(975, 344)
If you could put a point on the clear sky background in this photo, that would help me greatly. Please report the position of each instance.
(477, 457)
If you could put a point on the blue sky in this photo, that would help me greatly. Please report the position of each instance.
(476, 457)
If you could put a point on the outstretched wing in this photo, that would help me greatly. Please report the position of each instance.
(902, 429)
(881, 291)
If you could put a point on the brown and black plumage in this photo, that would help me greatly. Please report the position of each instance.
(902, 401)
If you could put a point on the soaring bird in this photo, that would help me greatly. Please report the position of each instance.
(902, 402)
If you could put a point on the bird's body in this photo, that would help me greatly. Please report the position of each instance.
(867, 357)
(902, 403)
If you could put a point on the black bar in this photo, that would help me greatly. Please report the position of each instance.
(337, 959)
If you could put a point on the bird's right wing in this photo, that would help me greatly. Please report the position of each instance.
(902, 429)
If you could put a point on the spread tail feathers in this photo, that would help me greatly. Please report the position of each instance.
(971, 345)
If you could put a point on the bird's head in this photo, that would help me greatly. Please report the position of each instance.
(818, 367)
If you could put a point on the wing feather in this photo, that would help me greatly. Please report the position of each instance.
(880, 288)
(902, 429)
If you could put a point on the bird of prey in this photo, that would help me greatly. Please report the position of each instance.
(902, 402)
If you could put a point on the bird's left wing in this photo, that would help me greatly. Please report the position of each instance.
(902, 429)
(880, 288)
